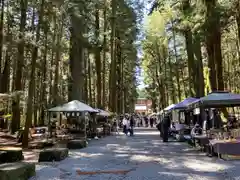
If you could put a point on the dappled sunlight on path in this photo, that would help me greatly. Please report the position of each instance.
(142, 157)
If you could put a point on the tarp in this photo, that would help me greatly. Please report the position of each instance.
(102, 112)
(73, 106)
(170, 107)
(184, 104)
(217, 100)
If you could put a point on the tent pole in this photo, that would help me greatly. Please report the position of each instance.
(49, 128)
(85, 127)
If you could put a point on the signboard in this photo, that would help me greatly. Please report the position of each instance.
(140, 108)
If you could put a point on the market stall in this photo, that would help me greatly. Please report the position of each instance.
(76, 110)
(214, 138)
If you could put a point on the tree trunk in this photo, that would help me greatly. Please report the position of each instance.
(210, 44)
(90, 82)
(199, 66)
(58, 47)
(118, 71)
(176, 63)
(238, 21)
(112, 74)
(76, 58)
(5, 79)
(32, 80)
(104, 55)
(218, 54)
(43, 100)
(85, 93)
(1, 35)
(20, 61)
(191, 65)
(186, 5)
(98, 58)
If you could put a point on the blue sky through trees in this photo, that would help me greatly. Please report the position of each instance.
(147, 7)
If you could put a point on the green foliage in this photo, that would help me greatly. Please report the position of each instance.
(142, 93)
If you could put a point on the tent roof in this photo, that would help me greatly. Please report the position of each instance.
(184, 104)
(170, 107)
(217, 99)
(102, 112)
(73, 106)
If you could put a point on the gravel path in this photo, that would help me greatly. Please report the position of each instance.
(143, 157)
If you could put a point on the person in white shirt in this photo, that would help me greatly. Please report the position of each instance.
(126, 124)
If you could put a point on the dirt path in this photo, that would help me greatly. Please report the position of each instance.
(142, 157)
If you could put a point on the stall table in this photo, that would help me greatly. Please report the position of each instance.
(225, 147)
(203, 140)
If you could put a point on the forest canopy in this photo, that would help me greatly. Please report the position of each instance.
(190, 49)
(54, 51)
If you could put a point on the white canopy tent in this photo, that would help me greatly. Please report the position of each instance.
(75, 107)
(103, 113)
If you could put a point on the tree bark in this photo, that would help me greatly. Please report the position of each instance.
(32, 80)
(199, 66)
(20, 61)
(98, 58)
(104, 59)
(76, 58)
(1, 34)
(112, 74)
(191, 64)
(43, 100)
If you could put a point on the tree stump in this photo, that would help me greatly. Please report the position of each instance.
(17, 171)
(76, 144)
(53, 154)
(12, 154)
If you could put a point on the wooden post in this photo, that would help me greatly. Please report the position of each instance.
(49, 128)
(85, 127)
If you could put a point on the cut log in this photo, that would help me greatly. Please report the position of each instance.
(12, 154)
(53, 154)
(77, 144)
(17, 171)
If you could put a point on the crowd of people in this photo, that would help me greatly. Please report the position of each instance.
(128, 121)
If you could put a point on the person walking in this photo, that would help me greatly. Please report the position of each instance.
(146, 121)
(165, 128)
(125, 125)
(151, 122)
(132, 122)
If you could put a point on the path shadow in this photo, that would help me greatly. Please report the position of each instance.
(147, 155)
